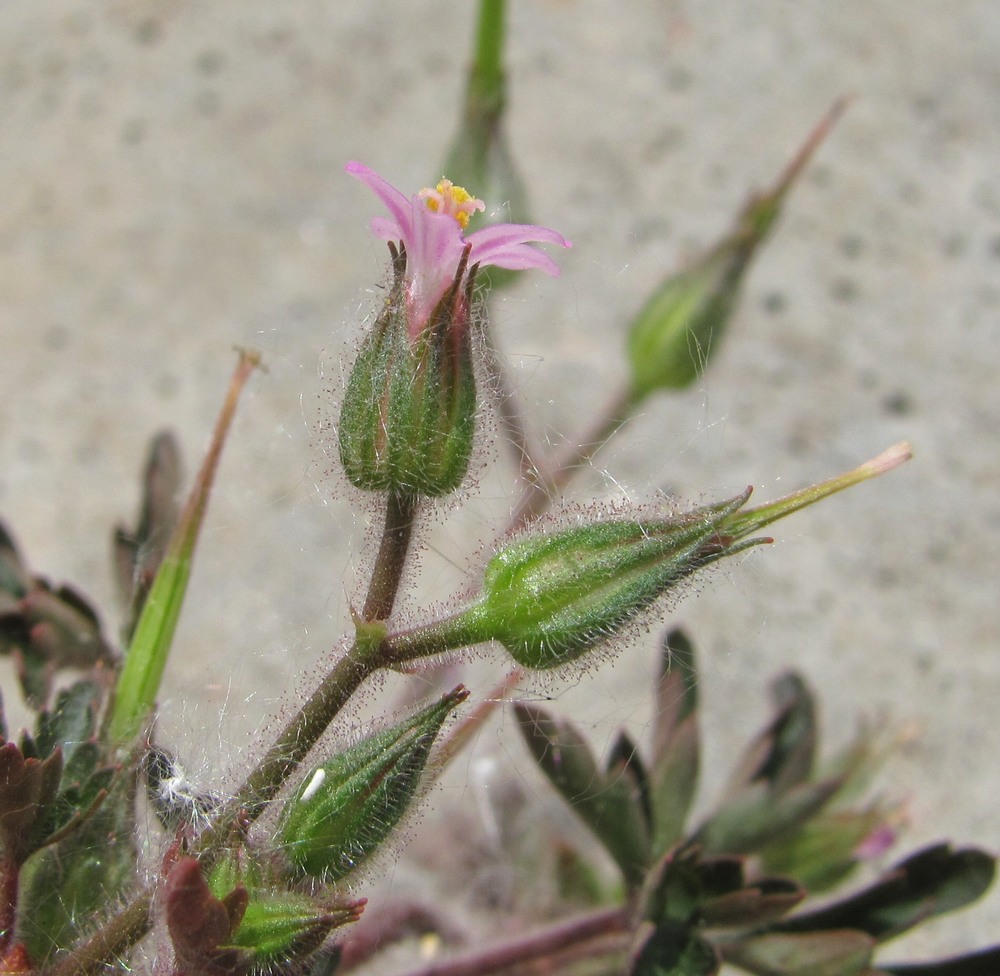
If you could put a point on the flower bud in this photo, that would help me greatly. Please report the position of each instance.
(408, 417)
(550, 598)
(346, 807)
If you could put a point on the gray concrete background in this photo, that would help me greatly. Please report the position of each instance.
(172, 186)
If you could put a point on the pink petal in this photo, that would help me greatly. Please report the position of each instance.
(397, 203)
(508, 246)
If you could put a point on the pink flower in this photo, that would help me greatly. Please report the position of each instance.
(431, 226)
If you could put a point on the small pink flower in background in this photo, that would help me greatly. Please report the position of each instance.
(876, 843)
(431, 226)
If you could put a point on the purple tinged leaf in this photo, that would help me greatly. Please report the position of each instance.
(930, 882)
(763, 901)
(676, 741)
(625, 761)
(676, 688)
(201, 925)
(782, 754)
(607, 803)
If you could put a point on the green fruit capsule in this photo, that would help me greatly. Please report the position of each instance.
(550, 598)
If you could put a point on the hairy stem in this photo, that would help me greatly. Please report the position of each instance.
(509, 411)
(539, 947)
(388, 571)
(122, 931)
(113, 939)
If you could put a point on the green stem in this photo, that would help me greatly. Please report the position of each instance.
(488, 66)
(462, 629)
(537, 496)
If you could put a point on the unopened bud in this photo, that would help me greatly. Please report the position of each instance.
(346, 807)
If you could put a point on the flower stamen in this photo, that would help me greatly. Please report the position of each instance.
(455, 201)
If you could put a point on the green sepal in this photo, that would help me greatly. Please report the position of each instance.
(345, 808)
(408, 417)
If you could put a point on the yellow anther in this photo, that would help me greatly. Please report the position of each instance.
(453, 200)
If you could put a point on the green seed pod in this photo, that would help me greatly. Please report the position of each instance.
(684, 320)
(408, 417)
(346, 807)
(550, 598)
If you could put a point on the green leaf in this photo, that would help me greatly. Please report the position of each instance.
(146, 659)
(72, 722)
(607, 803)
(577, 881)
(834, 953)
(66, 886)
(674, 888)
(822, 853)
(931, 882)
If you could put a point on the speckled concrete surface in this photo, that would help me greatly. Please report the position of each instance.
(172, 186)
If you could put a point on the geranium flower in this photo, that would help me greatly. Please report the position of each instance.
(431, 227)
